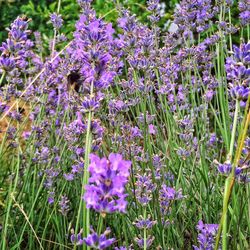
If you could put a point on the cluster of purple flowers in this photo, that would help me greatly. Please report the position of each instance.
(206, 236)
(56, 20)
(64, 205)
(192, 15)
(144, 188)
(187, 138)
(99, 242)
(154, 7)
(244, 8)
(238, 73)
(74, 134)
(144, 224)
(93, 240)
(226, 168)
(167, 196)
(105, 192)
(93, 49)
(18, 58)
(14, 50)
(140, 241)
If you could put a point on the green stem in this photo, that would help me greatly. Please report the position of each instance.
(237, 107)
(243, 134)
(86, 172)
(53, 44)
(55, 31)
(10, 202)
(228, 189)
(230, 35)
(2, 77)
(86, 214)
(58, 6)
(145, 231)
(99, 226)
(227, 192)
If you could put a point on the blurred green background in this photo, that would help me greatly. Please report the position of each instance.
(39, 11)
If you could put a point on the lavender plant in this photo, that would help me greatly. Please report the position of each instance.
(134, 132)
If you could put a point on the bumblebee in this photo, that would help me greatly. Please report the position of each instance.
(73, 81)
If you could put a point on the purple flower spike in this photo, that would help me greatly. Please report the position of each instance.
(64, 205)
(206, 236)
(99, 242)
(144, 188)
(142, 223)
(240, 92)
(56, 21)
(193, 15)
(106, 190)
(244, 8)
(51, 197)
(152, 129)
(140, 241)
(76, 238)
(226, 168)
(7, 63)
(167, 196)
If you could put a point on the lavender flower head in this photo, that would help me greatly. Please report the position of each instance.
(64, 205)
(99, 242)
(93, 45)
(56, 20)
(76, 238)
(85, 4)
(226, 168)
(167, 196)
(142, 223)
(206, 236)
(144, 188)
(238, 72)
(140, 241)
(244, 8)
(192, 15)
(154, 7)
(106, 190)
(15, 50)
(237, 66)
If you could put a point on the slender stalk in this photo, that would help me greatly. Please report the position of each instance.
(86, 214)
(58, 6)
(223, 223)
(53, 43)
(27, 219)
(86, 172)
(100, 223)
(2, 77)
(55, 31)
(230, 36)
(237, 107)
(242, 134)
(229, 185)
(144, 231)
(10, 201)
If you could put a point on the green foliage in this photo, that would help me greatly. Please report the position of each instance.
(39, 11)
